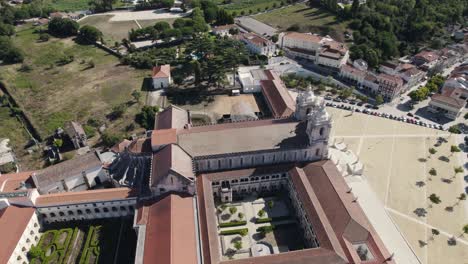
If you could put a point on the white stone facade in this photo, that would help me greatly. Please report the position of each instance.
(29, 238)
(85, 211)
(161, 82)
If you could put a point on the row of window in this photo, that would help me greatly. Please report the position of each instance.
(88, 211)
(260, 178)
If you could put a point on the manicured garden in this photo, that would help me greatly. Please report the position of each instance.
(86, 243)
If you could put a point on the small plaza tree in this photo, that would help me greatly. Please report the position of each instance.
(435, 233)
(261, 213)
(432, 151)
(457, 170)
(433, 172)
(232, 209)
(238, 244)
(271, 204)
(454, 149)
(434, 199)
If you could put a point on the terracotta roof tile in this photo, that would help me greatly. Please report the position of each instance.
(163, 71)
(171, 232)
(84, 196)
(278, 98)
(11, 182)
(163, 137)
(13, 222)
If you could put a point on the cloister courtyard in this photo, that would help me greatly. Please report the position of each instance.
(397, 165)
(256, 226)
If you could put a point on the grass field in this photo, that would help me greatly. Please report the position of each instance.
(246, 5)
(308, 18)
(76, 5)
(52, 94)
(117, 30)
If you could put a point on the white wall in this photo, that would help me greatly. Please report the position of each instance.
(159, 83)
(29, 238)
(82, 211)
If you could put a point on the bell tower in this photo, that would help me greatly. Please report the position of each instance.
(311, 109)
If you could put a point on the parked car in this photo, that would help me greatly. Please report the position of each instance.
(360, 104)
(410, 114)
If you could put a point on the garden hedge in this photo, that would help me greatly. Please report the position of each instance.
(234, 232)
(269, 219)
(233, 223)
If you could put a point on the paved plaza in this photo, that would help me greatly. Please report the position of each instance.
(396, 165)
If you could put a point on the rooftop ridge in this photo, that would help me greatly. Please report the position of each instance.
(244, 121)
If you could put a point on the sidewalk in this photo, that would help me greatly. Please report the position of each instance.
(383, 224)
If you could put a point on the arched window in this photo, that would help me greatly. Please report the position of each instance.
(317, 152)
(308, 110)
(321, 131)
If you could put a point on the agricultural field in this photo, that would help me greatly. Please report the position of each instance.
(104, 241)
(87, 86)
(309, 19)
(246, 5)
(75, 5)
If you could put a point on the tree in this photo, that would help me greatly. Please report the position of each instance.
(146, 117)
(379, 99)
(109, 139)
(434, 232)
(274, 38)
(44, 37)
(434, 199)
(465, 230)
(261, 213)
(238, 244)
(244, 232)
(454, 149)
(433, 172)
(271, 204)
(118, 111)
(232, 209)
(63, 27)
(36, 252)
(454, 129)
(6, 29)
(354, 8)
(461, 197)
(89, 34)
(101, 5)
(457, 170)
(240, 215)
(58, 142)
(196, 71)
(136, 95)
(432, 151)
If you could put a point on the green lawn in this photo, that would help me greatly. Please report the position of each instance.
(75, 5)
(51, 94)
(246, 5)
(309, 20)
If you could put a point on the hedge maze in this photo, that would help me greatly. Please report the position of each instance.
(53, 247)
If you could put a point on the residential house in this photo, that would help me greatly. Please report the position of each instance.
(162, 76)
(76, 134)
(390, 86)
(425, 59)
(352, 75)
(449, 103)
(370, 83)
(257, 44)
(320, 50)
(223, 30)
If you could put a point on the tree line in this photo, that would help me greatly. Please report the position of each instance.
(383, 29)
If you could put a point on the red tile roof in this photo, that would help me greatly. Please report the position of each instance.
(13, 222)
(304, 37)
(453, 102)
(121, 146)
(85, 196)
(171, 117)
(278, 98)
(171, 232)
(163, 71)
(427, 56)
(163, 137)
(171, 157)
(11, 182)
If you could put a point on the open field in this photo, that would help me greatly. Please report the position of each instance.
(246, 5)
(118, 30)
(309, 19)
(51, 93)
(395, 157)
(112, 31)
(87, 242)
(76, 5)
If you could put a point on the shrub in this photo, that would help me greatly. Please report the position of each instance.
(118, 111)
(223, 207)
(233, 223)
(63, 27)
(73, 238)
(241, 231)
(240, 215)
(44, 37)
(110, 139)
(270, 219)
(271, 204)
(36, 253)
(266, 229)
(89, 34)
(89, 130)
(146, 117)
(232, 209)
(238, 244)
(261, 213)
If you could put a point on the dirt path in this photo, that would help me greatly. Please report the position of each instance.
(76, 250)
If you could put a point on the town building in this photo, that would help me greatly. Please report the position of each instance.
(76, 133)
(161, 76)
(425, 59)
(390, 86)
(323, 51)
(449, 103)
(224, 30)
(257, 44)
